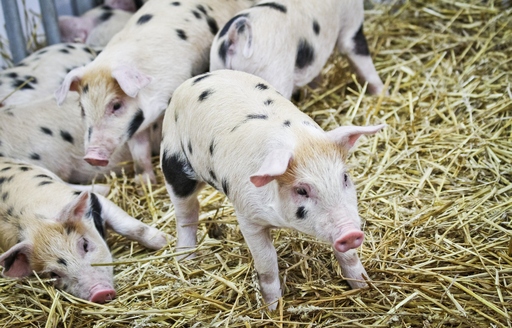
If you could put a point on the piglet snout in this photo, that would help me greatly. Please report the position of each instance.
(349, 240)
(96, 157)
(102, 294)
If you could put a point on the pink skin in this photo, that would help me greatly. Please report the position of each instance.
(349, 240)
(96, 157)
(101, 294)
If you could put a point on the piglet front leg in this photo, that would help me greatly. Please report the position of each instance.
(140, 148)
(352, 268)
(131, 228)
(265, 261)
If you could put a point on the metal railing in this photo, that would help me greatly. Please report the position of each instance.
(14, 30)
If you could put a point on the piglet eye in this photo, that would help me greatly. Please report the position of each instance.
(302, 192)
(116, 106)
(86, 245)
(53, 275)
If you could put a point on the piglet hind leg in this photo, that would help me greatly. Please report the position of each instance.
(186, 210)
(131, 228)
(356, 49)
(352, 268)
(140, 148)
(259, 241)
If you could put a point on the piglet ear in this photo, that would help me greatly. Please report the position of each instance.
(76, 209)
(274, 165)
(130, 79)
(241, 26)
(70, 83)
(15, 260)
(346, 136)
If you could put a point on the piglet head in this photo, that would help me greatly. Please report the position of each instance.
(65, 249)
(316, 194)
(109, 105)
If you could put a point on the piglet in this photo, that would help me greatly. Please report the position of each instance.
(95, 27)
(43, 134)
(57, 231)
(128, 86)
(287, 42)
(235, 132)
(41, 73)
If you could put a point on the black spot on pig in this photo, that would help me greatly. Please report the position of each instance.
(175, 3)
(42, 183)
(189, 148)
(301, 212)
(13, 75)
(225, 187)
(212, 175)
(360, 44)
(35, 156)
(2, 179)
(106, 7)
(10, 211)
(181, 34)
(64, 51)
(261, 86)
(175, 116)
(257, 117)
(62, 261)
(5, 196)
(105, 16)
(70, 46)
(95, 212)
(66, 136)
(137, 120)
(144, 19)
(212, 147)
(287, 123)
(212, 24)
(223, 51)
(226, 27)
(305, 54)
(205, 94)
(43, 176)
(89, 132)
(316, 27)
(85, 89)
(198, 15)
(268, 102)
(25, 168)
(201, 9)
(86, 49)
(46, 131)
(77, 192)
(202, 77)
(174, 169)
(5, 169)
(273, 5)
(21, 84)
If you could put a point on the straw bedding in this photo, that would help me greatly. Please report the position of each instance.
(434, 193)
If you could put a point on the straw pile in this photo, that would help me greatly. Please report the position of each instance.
(434, 192)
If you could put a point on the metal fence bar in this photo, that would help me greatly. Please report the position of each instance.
(50, 21)
(14, 30)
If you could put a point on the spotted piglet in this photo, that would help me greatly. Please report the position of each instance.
(287, 42)
(235, 132)
(41, 73)
(48, 227)
(95, 27)
(128, 86)
(53, 138)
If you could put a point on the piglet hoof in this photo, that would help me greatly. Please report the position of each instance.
(357, 284)
(156, 239)
(377, 89)
(271, 293)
